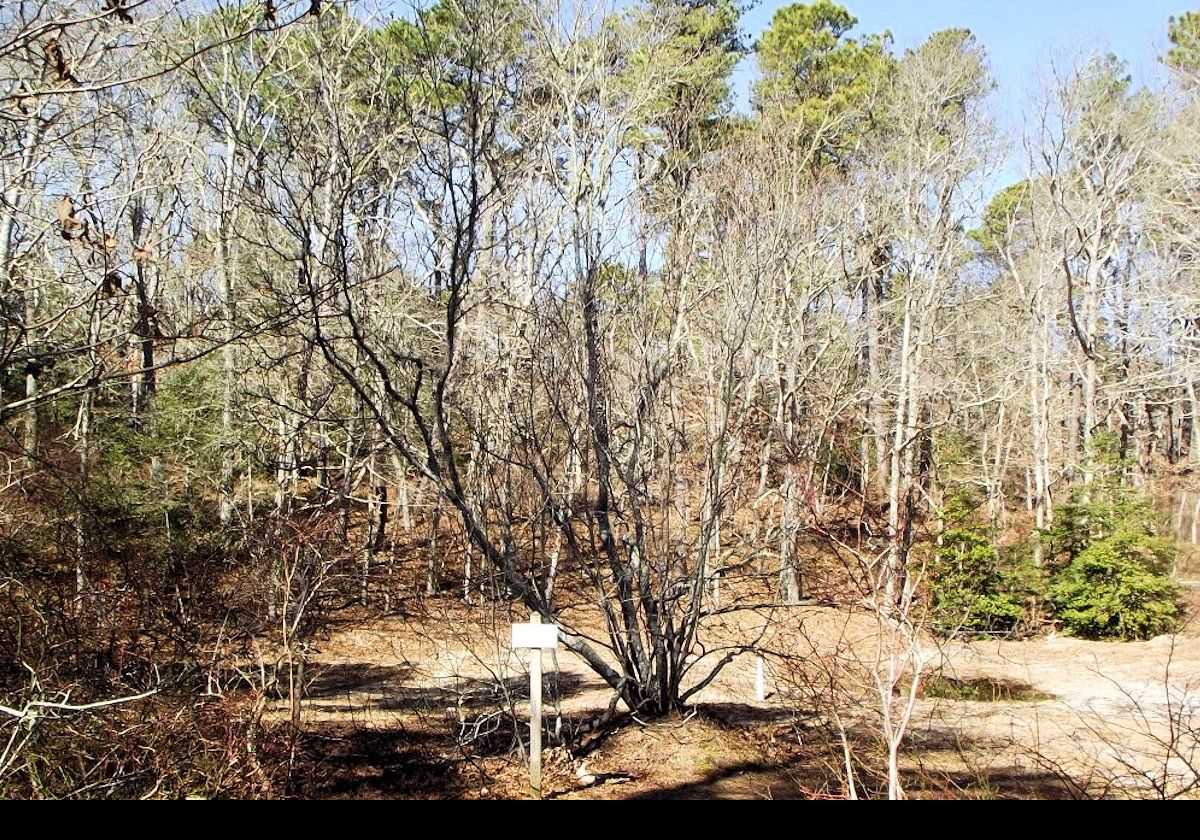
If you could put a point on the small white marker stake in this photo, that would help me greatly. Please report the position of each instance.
(760, 678)
(535, 637)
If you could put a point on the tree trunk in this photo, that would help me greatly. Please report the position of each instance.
(790, 581)
(226, 256)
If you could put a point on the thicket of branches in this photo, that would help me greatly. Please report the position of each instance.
(295, 295)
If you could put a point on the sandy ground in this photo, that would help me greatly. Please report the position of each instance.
(423, 706)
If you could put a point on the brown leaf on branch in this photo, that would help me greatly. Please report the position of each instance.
(59, 62)
(68, 225)
(118, 8)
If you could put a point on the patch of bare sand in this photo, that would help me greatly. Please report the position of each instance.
(446, 679)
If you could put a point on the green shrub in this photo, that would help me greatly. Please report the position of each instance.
(1077, 524)
(969, 592)
(1108, 568)
(1115, 589)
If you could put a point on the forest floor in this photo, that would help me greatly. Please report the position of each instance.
(430, 703)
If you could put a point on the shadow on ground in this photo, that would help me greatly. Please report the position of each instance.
(387, 689)
(743, 780)
(376, 764)
(462, 741)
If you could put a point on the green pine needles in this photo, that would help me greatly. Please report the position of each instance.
(969, 591)
(1105, 575)
(1111, 578)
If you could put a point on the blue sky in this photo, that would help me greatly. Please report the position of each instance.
(1020, 35)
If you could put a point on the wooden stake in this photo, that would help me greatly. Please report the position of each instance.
(535, 715)
(535, 637)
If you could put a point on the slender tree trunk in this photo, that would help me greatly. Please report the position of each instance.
(433, 566)
(1194, 424)
(226, 258)
(900, 471)
(29, 439)
(84, 443)
(402, 492)
(996, 499)
(872, 297)
(377, 516)
(789, 575)
(14, 185)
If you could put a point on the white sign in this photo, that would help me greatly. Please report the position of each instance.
(543, 636)
(535, 637)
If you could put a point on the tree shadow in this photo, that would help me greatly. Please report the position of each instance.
(743, 780)
(950, 765)
(354, 677)
(947, 765)
(388, 692)
(745, 714)
(376, 763)
(472, 718)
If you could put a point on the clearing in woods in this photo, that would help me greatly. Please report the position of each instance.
(422, 705)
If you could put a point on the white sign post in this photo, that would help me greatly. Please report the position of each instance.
(535, 637)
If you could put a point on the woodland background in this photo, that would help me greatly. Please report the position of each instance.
(310, 310)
